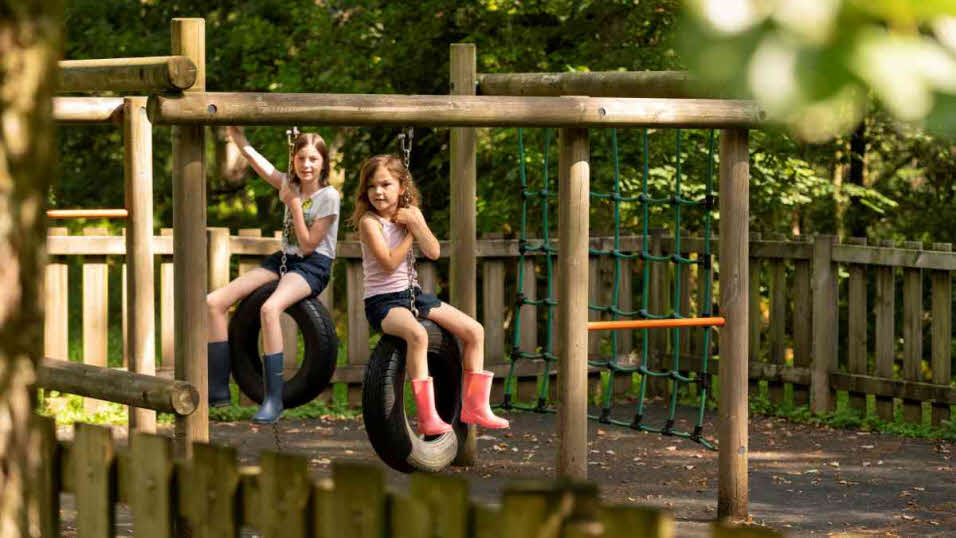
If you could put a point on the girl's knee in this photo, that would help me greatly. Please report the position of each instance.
(417, 335)
(474, 332)
(269, 311)
(214, 304)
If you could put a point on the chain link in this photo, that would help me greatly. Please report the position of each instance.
(405, 141)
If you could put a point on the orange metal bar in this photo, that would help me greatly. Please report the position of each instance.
(87, 213)
(654, 323)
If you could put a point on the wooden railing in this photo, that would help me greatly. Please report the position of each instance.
(786, 282)
(212, 495)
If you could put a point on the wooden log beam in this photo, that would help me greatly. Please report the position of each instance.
(138, 390)
(87, 214)
(669, 84)
(147, 74)
(209, 108)
(895, 257)
(83, 110)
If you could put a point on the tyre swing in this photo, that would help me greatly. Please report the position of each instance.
(393, 437)
(314, 323)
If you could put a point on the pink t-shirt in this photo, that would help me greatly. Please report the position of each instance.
(377, 279)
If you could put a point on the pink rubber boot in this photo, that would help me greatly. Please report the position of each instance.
(429, 423)
(474, 403)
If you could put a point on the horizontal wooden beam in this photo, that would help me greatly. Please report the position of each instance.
(447, 110)
(896, 388)
(895, 257)
(88, 109)
(669, 84)
(87, 213)
(145, 75)
(137, 390)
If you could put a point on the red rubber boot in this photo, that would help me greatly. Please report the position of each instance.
(429, 423)
(474, 402)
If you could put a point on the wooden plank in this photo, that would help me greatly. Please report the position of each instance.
(150, 486)
(95, 320)
(784, 250)
(87, 213)
(625, 340)
(358, 324)
(912, 258)
(824, 324)
(94, 485)
(167, 302)
(912, 333)
(683, 306)
(106, 245)
(942, 292)
(856, 326)
(408, 517)
(627, 520)
(548, 510)
(755, 318)
(528, 314)
(324, 509)
(595, 290)
(573, 184)
(446, 499)
(493, 305)
(82, 110)
(359, 500)
(802, 323)
(44, 491)
(249, 108)
(56, 290)
(207, 492)
(285, 489)
(895, 388)
(427, 276)
(218, 257)
(674, 84)
(885, 331)
(778, 321)
(188, 38)
(485, 521)
(734, 207)
(246, 264)
(150, 74)
(656, 305)
(139, 286)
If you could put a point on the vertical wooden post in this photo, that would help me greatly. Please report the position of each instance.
(856, 326)
(246, 263)
(358, 325)
(594, 297)
(942, 290)
(493, 304)
(189, 244)
(885, 330)
(913, 333)
(528, 340)
(167, 305)
(463, 225)
(95, 320)
(755, 319)
(778, 321)
(801, 324)
(824, 324)
(56, 291)
(218, 258)
(138, 178)
(733, 254)
(574, 177)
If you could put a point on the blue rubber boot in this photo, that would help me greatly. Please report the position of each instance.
(217, 361)
(272, 366)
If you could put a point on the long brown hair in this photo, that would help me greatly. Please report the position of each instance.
(396, 167)
(315, 140)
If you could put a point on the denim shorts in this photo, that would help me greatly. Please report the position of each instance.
(315, 268)
(377, 306)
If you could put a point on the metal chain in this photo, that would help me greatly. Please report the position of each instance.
(405, 141)
(290, 135)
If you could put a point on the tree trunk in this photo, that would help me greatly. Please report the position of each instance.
(30, 44)
(855, 223)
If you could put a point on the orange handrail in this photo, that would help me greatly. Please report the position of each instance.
(87, 213)
(654, 323)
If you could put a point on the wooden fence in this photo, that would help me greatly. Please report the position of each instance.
(212, 495)
(865, 344)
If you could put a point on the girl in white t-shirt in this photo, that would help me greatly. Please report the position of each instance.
(303, 264)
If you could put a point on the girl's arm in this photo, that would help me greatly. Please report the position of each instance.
(260, 164)
(370, 232)
(412, 218)
(309, 237)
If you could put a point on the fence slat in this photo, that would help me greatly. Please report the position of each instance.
(358, 325)
(248, 263)
(359, 500)
(885, 331)
(427, 276)
(446, 499)
(486, 521)
(802, 323)
(150, 486)
(409, 518)
(756, 315)
(45, 490)
(284, 491)
(621, 521)
(824, 324)
(323, 509)
(912, 333)
(95, 321)
(56, 339)
(778, 321)
(207, 491)
(529, 313)
(95, 489)
(594, 299)
(942, 291)
(166, 312)
(493, 305)
(856, 325)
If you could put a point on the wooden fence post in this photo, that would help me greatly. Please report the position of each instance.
(824, 324)
(942, 290)
(734, 253)
(95, 319)
(167, 306)
(802, 323)
(913, 333)
(493, 304)
(856, 326)
(885, 330)
(755, 316)
(56, 338)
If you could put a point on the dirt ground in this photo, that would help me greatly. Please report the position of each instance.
(803, 479)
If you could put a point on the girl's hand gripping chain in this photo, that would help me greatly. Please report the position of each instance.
(287, 195)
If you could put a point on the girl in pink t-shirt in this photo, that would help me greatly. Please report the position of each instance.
(389, 221)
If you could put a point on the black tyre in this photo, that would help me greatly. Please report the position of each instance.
(317, 364)
(383, 403)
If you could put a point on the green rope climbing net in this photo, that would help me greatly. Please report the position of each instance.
(542, 249)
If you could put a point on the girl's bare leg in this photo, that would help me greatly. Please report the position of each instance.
(467, 329)
(218, 301)
(401, 323)
(291, 289)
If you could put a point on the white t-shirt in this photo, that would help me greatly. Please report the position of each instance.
(322, 203)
